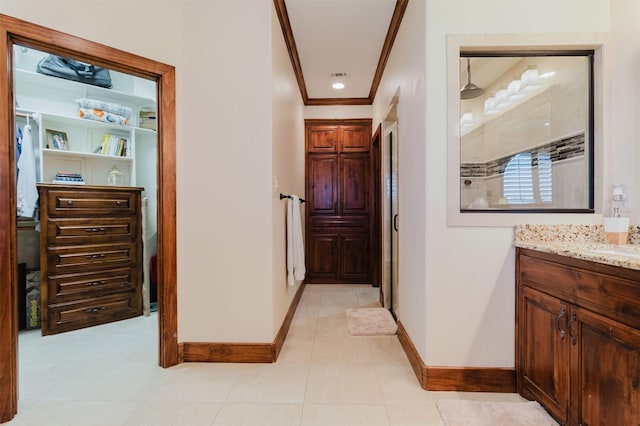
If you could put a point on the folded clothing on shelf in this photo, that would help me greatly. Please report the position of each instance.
(111, 107)
(100, 115)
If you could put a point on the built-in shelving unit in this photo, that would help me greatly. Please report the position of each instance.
(52, 102)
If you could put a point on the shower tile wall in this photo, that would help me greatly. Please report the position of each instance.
(567, 155)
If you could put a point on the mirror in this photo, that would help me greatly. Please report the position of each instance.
(526, 132)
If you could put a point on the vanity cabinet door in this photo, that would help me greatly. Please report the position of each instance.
(544, 351)
(607, 356)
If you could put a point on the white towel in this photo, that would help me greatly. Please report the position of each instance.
(26, 188)
(295, 245)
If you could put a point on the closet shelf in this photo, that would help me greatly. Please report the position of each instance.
(75, 154)
(30, 78)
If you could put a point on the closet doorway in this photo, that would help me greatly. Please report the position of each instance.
(391, 166)
(16, 32)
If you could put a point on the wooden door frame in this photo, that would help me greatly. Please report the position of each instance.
(13, 30)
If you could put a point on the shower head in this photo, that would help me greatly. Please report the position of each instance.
(470, 90)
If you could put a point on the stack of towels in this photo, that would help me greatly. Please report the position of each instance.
(107, 112)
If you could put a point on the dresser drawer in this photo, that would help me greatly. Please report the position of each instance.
(91, 284)
(87, 202)
(90, 231)
(89, 312)
(66, 260)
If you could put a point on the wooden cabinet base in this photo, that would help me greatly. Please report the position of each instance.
(578, 338)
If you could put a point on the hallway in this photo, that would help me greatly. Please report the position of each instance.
(107, 375)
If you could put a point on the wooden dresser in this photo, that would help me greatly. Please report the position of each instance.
(90, 255)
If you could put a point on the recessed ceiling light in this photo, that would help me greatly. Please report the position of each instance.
(337, 80)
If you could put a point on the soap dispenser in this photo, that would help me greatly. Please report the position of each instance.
(618, 196)
(616, 228)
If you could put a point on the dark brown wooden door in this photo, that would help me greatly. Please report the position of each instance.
(608, 376)
(544, 356)
(341, 210)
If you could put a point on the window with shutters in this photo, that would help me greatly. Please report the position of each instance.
(545, 178)
(518, 184)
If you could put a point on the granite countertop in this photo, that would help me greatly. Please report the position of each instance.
(585, 242)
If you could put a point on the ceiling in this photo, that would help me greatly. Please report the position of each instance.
(339, 36)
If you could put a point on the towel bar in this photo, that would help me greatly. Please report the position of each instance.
(282, 197)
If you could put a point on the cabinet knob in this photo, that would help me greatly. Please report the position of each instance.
(118, 203)
(70, 202)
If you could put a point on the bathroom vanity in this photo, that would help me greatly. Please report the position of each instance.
(578, 331)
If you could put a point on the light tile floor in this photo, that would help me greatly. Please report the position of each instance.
(108, 375)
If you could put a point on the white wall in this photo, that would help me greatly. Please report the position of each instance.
(224, 179)
(223, 57)
(346, 111)
(623, 157)
(287, 162)
(405, 76)
(470, 282)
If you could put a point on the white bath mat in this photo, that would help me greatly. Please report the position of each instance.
(487, 413)
(370, 322)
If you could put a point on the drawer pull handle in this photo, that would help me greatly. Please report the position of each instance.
(70, 202)
(95, 310)
(95, 229)
(573, 335)
(118, 203)
(95, 256)
(94, 283)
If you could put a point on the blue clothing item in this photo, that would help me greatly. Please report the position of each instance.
(18, 147)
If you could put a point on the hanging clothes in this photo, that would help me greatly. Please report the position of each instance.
(18, 147)
(27, 190)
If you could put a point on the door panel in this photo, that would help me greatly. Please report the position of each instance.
(322, 194)
(322, 139)
(354, 184)
(355, 263)
(545, 363)
(322, 259)
(355, 139)
(609, 373)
